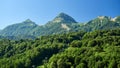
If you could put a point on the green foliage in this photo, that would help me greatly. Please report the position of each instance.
(101, 51)
(98, 49)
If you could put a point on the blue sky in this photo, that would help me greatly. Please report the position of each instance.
(42, 11)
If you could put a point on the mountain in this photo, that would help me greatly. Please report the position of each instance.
(101, 23)
(62, 23)
(63, 18)
(23, 28)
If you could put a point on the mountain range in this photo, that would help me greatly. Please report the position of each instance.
(62, 23)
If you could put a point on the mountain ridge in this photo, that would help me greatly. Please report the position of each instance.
(62, 23)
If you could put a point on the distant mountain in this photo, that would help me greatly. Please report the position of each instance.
(101, 22)
(23, 28)
(63, 18)
(62, 23)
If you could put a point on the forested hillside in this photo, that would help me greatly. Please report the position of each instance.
(97, 49)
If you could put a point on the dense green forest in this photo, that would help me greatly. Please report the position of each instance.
(97, 49)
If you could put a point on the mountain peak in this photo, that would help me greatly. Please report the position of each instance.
(63, 18)
(103, 17)
(28, 21)
(62, 14)
(100, 20)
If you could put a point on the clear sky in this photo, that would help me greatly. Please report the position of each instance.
(42, 11)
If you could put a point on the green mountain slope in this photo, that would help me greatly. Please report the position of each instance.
(60, 24)
(23, 28)
(102, 22)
